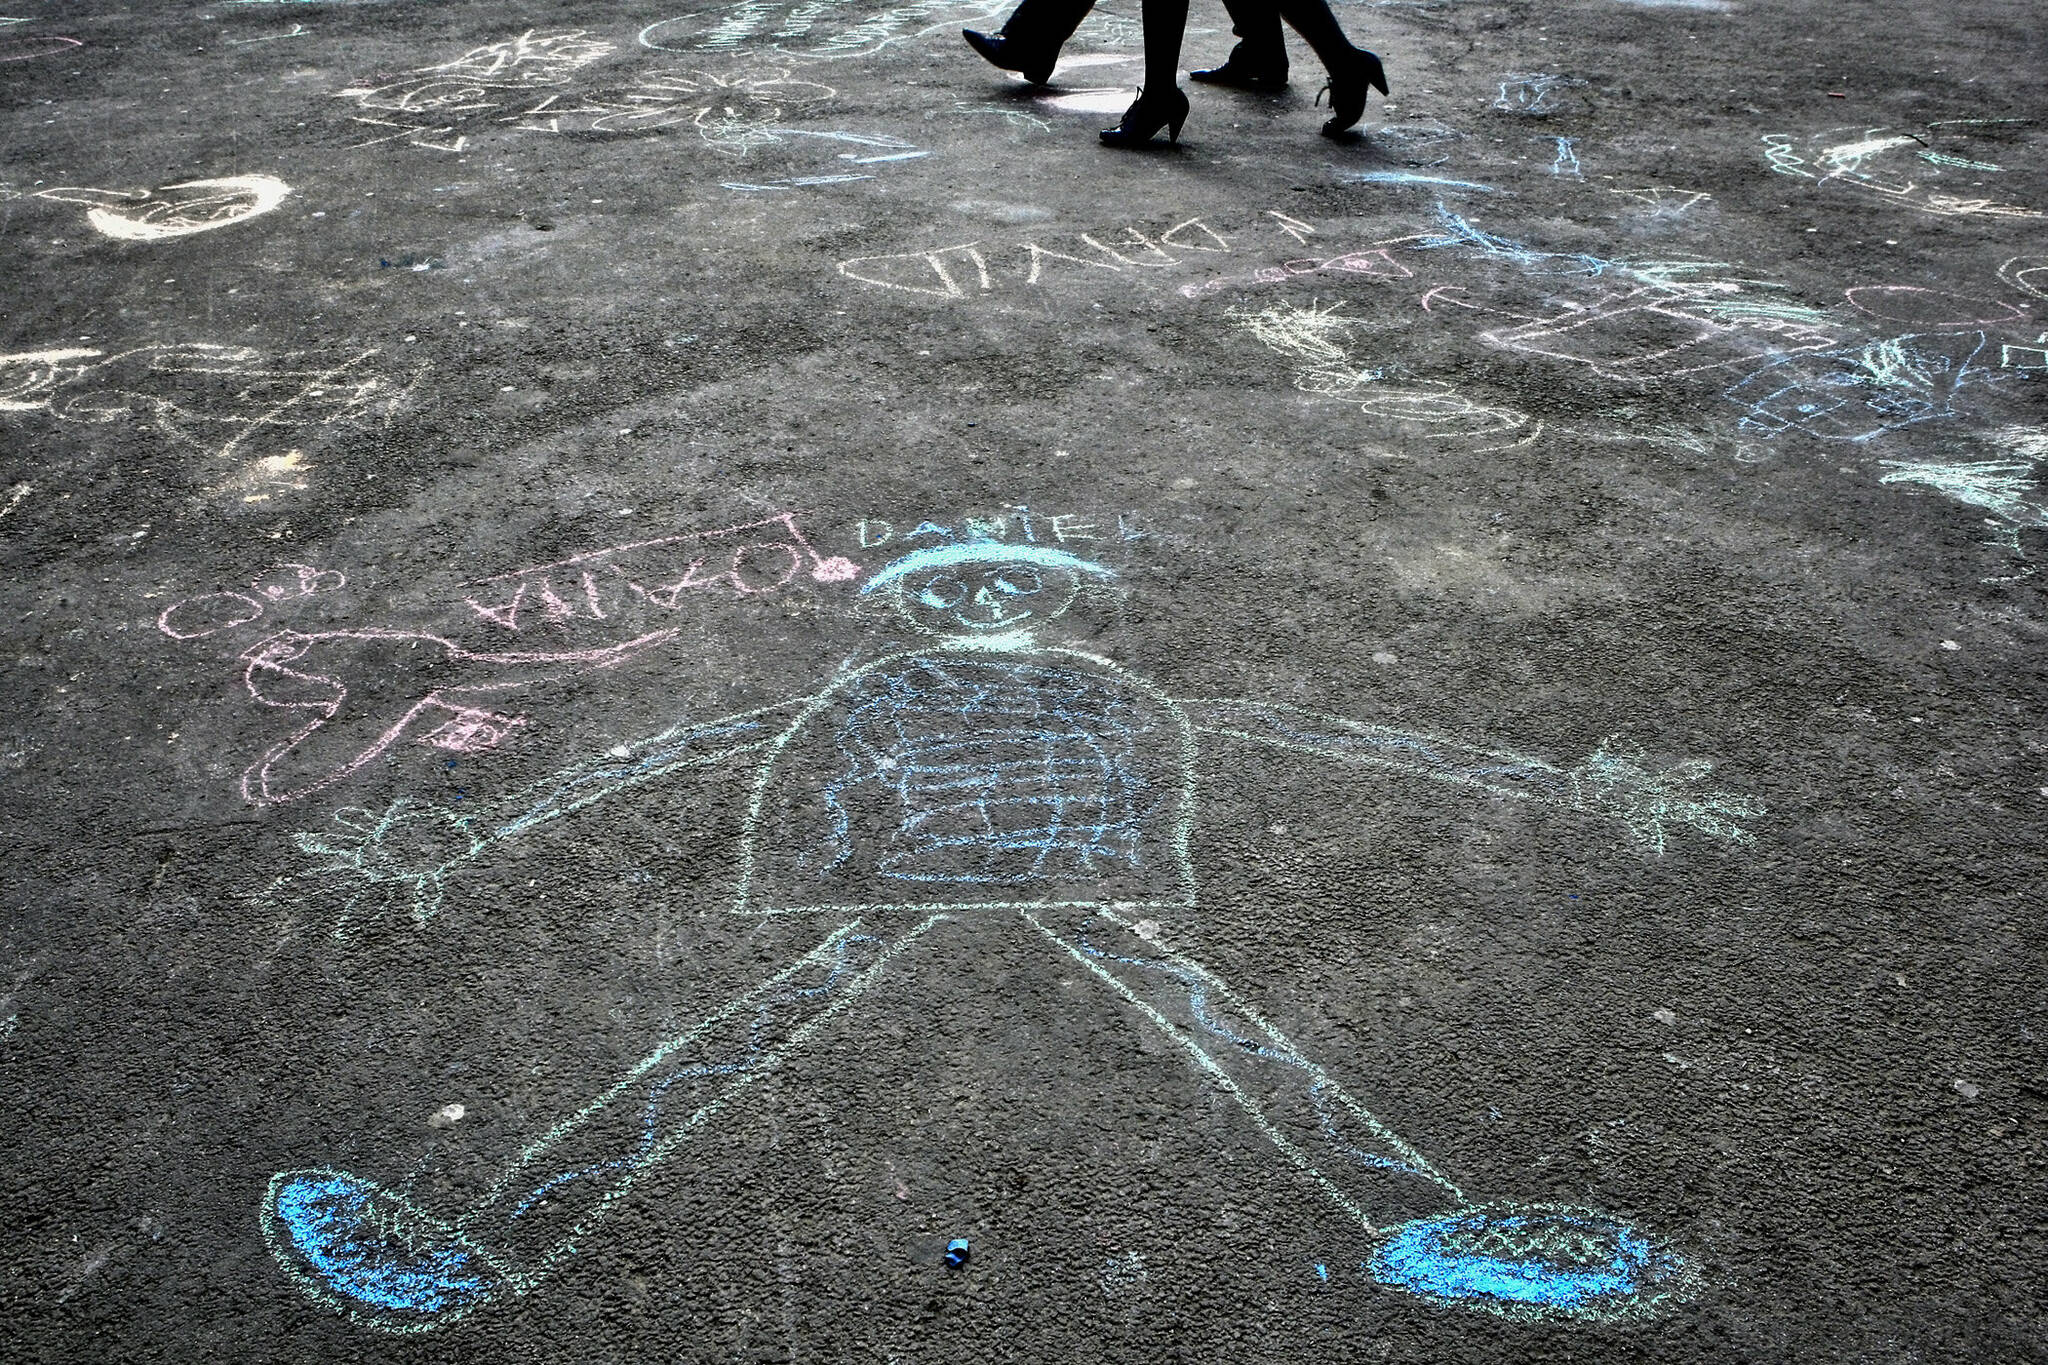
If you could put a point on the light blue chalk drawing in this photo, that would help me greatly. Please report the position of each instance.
(1410, 178)
(1533, 94)
(1859, 393)
(1567, 162)
(986, 779)
(2007, 490)
(1702, 286)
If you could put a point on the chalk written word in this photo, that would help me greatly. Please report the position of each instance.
(425, 686)
(967, 269)
(758, 557)
(1016, 522)
(989, 776)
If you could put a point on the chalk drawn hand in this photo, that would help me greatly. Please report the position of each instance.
(380, 865)
(1616, 780)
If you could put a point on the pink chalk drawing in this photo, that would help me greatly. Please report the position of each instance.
(28, 49)
(588, 586)
(1932, 307)
(359, 691)
(195, 618)
(284, 581)
(449, 684)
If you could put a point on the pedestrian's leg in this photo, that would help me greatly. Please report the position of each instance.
(1042, 27)
(1351, 69)
(1166, 22)
(1160, 103)
(371, 1253)
(1259, 60)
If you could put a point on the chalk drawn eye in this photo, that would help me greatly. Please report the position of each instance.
(943, 592)
(1018, 582)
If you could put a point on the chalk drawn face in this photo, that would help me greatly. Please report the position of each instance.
(985, 598)
(983, 590)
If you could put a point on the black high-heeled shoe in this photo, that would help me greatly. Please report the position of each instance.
(1347, 89)
(1006, 55)
(1146, 117)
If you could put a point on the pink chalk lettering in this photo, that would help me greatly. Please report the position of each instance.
(572, 588)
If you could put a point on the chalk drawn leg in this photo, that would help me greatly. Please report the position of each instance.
(1357, 1162)
(372, 1254)
(1533, 1261)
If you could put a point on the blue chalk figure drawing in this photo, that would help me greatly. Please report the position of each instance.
(987, 772)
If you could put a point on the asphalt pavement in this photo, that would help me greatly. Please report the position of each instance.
(691, 684)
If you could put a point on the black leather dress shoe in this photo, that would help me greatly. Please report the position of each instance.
(1002, 53)
(1241, 74)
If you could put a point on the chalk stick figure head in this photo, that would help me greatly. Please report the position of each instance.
(983, 590)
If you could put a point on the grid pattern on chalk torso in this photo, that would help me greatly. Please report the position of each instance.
(993, 774)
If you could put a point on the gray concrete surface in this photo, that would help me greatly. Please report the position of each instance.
(1590, 524)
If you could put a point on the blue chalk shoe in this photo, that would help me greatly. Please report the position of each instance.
(364, 1251)
(1531, 1261)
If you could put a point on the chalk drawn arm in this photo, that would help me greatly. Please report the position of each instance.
(1616, 780)
(397, 861)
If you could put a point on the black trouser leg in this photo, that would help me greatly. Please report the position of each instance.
(1043, 26)
(1259, 44)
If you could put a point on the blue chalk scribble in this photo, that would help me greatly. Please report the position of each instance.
(1529, 1261)
(982, 552)
(1861, 392)
(368, 1248)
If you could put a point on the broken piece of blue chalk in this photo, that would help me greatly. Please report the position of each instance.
(956, 1252)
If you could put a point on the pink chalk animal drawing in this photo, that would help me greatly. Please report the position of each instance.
(358, 691)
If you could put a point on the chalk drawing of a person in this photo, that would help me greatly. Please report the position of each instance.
(987, 771)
